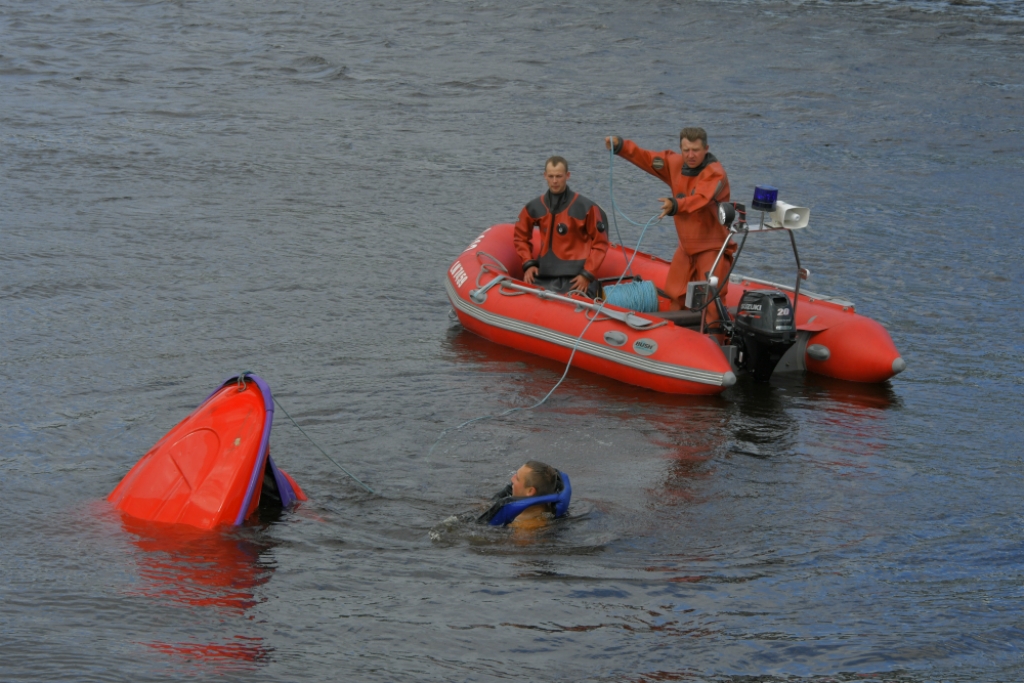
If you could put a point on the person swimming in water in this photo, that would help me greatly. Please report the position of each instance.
(536, 494)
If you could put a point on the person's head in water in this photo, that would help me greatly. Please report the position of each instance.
(534, 479)
(556, 173)
(536, 494)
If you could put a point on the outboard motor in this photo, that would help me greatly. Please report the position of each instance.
(764, 331)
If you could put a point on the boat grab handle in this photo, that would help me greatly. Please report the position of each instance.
(479, 295)
(631, 319)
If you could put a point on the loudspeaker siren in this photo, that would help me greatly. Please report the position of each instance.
(789, 216)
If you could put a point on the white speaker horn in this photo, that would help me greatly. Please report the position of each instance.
(789, 216)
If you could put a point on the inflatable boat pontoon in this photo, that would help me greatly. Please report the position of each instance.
(766, 326)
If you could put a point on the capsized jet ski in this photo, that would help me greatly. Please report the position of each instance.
(214, 467)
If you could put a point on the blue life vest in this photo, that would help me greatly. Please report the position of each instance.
(506, 508)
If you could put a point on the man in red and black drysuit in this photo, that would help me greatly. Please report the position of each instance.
(698, 184)
(573, 236)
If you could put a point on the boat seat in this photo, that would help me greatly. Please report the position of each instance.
(681, 318)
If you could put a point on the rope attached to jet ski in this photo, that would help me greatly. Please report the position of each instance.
(240, 384)
(354, 477)
(535, 405)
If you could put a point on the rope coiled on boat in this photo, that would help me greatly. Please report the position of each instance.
(639, 296)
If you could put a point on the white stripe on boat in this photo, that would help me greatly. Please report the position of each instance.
(590, 348)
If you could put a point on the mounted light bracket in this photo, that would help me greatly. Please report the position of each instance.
(726, 214)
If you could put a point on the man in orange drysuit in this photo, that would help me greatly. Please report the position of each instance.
(698, 184)
(573, 236)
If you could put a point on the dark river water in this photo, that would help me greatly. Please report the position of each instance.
(188, 190)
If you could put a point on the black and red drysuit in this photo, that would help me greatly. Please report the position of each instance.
(573, 238)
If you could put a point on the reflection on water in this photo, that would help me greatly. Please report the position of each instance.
(763, 426)
(217, 570)
(852, 395)
(226, 655)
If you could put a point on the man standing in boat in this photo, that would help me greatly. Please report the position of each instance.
(573, 236)
(698, 183)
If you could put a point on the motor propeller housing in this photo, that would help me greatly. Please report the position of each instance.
(764, 330)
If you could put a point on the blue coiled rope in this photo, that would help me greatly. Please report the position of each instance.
(641, 297)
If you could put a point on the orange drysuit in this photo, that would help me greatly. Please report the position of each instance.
(573, 235)
(696, 193)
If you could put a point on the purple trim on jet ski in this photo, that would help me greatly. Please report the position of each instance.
(261, 458)
(284, 487)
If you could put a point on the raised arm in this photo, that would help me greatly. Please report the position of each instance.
(655, 163)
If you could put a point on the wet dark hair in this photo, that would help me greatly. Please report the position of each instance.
(693, 135)
(542, 477)
(555, 161)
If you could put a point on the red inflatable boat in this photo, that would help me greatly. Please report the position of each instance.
(661, 350)
(214, 467)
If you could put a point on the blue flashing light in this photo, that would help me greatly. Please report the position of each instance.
(765, 198)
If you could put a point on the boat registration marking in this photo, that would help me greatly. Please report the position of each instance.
(477, 241)
(458, 273)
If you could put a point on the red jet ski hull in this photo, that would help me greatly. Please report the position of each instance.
(209, 470)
